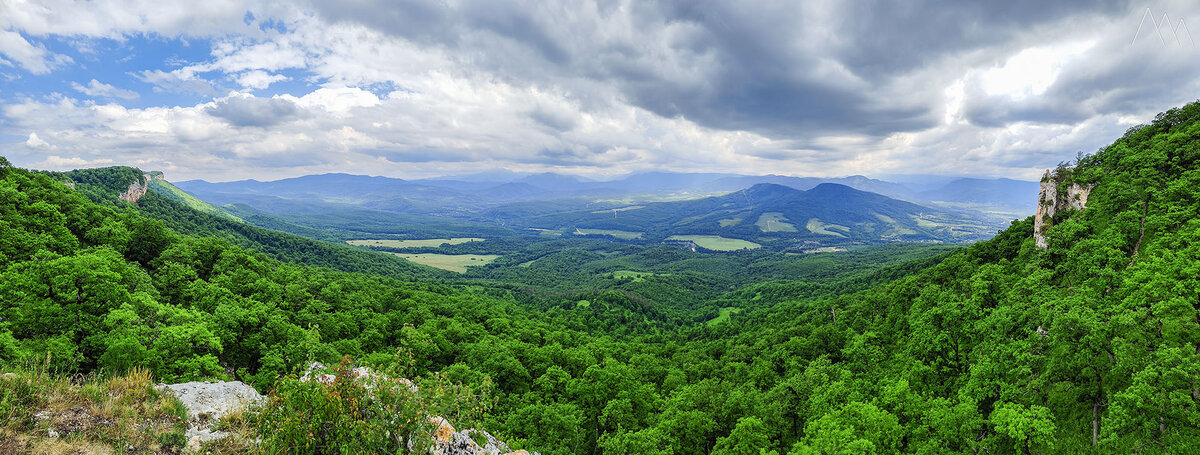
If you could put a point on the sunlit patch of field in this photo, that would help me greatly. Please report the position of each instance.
(925, 223)
(729, 222)
(825, 249)
(716, 242)
(774, 222)
(419, 243)
(452, 262)
(723, 316)
(817, 227)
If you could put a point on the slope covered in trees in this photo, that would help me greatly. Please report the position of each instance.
(1091, 345)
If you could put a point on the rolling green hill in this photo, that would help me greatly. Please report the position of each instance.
(172, 192)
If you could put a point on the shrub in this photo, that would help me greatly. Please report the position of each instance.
(377, 413)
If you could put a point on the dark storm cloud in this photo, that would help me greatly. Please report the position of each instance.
(886, 37)
(255, 112)
(781, 68)
(424, 21)
(764, 84)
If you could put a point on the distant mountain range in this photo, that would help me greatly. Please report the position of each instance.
(828, 213)
(653, 205)
(465, 196)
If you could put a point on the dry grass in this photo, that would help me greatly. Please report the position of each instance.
(46, 413)
(243, 439)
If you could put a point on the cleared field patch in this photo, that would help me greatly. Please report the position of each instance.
(623, 235)
(825, 249)
(452, 262)
(723, 316)
(729, 222)
(817, 227)
(716, 242)
(774, 222)
(922, 222)
(420, 243)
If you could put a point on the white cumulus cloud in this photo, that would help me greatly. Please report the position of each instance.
(100, 89)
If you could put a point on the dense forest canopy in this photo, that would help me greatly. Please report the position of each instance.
(1090, 345)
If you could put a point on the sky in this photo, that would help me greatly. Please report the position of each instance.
(226, 90)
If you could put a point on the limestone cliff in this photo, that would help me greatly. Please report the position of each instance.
(138, 189)
(1051, 202)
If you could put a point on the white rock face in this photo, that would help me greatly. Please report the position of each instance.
(213, 400)
(1050, 203)
(208, 402)
(446, 441)
(134, 193)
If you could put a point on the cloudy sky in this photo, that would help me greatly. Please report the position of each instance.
(225, 90)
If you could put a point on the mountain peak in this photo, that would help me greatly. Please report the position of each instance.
(770, 190)
(833, 189)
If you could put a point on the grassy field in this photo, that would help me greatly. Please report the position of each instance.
(825, 249)
(414, 243)
(452, 262)
(774, 222)
(817, 227)
(716, 242)
(623, 235)
(723, 316)
(729, 222)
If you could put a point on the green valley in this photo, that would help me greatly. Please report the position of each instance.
(568, 334)
(651, 227)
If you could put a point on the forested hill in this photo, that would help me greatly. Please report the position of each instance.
(1091, 345)
(185, 214)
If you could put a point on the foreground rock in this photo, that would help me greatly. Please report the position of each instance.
(208, 402)
(449, 442)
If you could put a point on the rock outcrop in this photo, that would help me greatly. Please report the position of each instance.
(208, 402)
(450, 442)
(446, 441)
(138, 189)
(1051, 202)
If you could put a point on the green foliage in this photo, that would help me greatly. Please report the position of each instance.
(378, 413)
(1088, 346)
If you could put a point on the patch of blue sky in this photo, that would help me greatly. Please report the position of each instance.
(124, 64)
(119, 63)
(298, 83)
